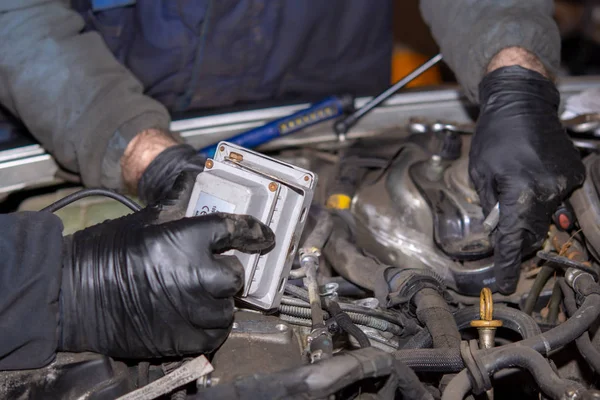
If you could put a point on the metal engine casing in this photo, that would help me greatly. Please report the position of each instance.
(395, 223)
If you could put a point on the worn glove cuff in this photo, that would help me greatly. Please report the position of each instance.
(517, 81)
(162, 172)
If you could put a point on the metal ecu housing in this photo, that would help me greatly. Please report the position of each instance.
(241, 181)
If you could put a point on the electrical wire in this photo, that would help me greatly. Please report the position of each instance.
(73, 197)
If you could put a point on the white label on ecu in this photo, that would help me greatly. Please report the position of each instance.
(208, 204)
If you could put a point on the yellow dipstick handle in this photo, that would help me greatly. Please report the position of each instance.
(486, 311)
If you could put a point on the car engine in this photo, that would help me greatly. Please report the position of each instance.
(391, 294)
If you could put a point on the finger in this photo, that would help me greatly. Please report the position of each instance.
(202, 340)
(181, 191)
(515, 200)
(238, 232)
(212, 314)
(507, 260)
(224, 278)
(485, 189)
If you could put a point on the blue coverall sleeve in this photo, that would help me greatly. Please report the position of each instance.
(30, 276)
(471, 32)
(69, 90)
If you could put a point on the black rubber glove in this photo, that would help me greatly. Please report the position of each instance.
(159, 177)
(138, 287)
(522, 157)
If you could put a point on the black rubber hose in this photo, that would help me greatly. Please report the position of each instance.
(554, 305)
(433, 311)
(319, 380)
(314, 243)
(320, 233)
(458, 388)
(421, 340)
(568, 331)
(350, 172)
(494, 360)
(346, 288)
(347, 260)
(564, 263)
(596, 341)
(343, 320)
(73, 197)
(431, 360)
(537, 287)
(297, 291)
(546, 378)
(587, 350)
(543, 343)
(409, 385)
(512, 319)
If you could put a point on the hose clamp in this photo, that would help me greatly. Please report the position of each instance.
(315, 333)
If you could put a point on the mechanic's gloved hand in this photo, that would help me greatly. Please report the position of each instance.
(159, 177)
(522, 157)
(138, 287)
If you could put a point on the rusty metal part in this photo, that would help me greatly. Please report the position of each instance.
(566, 246)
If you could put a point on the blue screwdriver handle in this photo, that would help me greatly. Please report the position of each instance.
(324, 110)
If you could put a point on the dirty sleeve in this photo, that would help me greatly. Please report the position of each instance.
(471, 32)
(30, 276)
(71, 93)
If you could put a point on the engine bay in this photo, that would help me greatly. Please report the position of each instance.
(391, 293)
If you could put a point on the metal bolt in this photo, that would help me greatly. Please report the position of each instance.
(316, 356)
(441, 127)
(281, 327)
(329, 289)
(310, 252)
(205, 381)
(307, 178)
(222, 148)
(418, 127)
(369, 302)
(209, 164)
(273, 186)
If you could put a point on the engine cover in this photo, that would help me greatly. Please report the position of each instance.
(424, 213)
